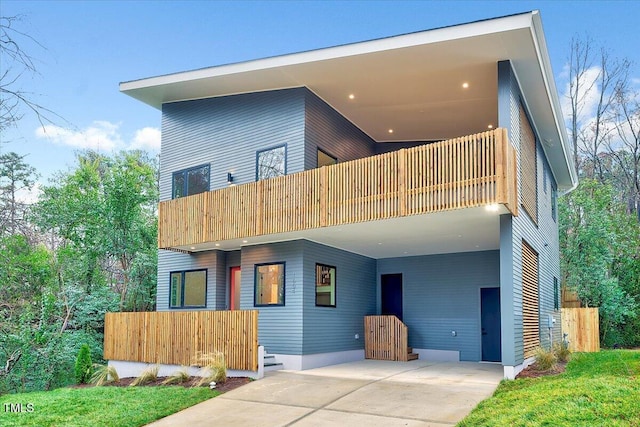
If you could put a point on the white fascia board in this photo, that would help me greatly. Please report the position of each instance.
(550, 86)
(473, 29)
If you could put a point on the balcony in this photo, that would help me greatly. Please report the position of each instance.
(460, 173)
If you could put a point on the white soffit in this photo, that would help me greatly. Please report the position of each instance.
(410, 83)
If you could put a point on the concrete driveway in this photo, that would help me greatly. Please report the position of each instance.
(366, 393)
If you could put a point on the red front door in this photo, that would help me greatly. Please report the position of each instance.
(235, 288)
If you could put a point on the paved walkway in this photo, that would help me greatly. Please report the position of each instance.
(367, 393)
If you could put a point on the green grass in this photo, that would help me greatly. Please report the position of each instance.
(100, 406)
(597, 389)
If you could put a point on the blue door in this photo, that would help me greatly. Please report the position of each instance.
(391, 294)
(491, 329)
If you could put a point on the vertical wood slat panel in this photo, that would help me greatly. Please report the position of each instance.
(385, 338)
(530, 300)
(177, 337)
(459, 173)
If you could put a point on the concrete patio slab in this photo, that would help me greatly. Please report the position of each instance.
(369, 392)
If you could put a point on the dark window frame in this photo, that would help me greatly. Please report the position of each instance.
(185, 173)
(274, 147)
(335, 285)
(182, 288)
(326, 154)
(284, 283)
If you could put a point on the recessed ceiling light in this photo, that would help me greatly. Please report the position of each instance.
(379, 243)
(492, 207)
(490, 127)
(244, 241)
(352, 96)
(217, 244)
(390, 130)
(465, 85)
(193, 247)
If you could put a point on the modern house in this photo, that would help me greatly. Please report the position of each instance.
(413, 176)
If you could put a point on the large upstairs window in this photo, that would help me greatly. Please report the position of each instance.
(190, 181)
(271, 162)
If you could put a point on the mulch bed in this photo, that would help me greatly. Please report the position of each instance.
(230, 384)
(534, 372)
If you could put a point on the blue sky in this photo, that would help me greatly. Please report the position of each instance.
(90, 47)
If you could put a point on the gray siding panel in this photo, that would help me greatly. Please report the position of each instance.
(543, 238)
(279, 327)
(174, 261)
(327, 129)
(331, 329)
(226, 132)
(441, 293)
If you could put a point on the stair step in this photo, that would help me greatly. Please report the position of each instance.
(268, 367)
(409, 349)
(412, 356)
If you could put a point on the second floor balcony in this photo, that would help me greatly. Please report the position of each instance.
(460, 173)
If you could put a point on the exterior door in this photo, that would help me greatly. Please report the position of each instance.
(235, 288)
(391, 294)
(491, 329)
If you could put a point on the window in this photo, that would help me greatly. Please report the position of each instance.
(269, 284)
(271, 162)
(556, 294)
(188, 289)
(325, 285)
(325, 159)
(190, 181)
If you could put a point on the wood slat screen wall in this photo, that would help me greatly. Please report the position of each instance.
(528, 167)
(470, 171)
(530, 304)
(582, 326)
(177, 337)
(385, 338)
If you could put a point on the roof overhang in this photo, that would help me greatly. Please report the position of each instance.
(410, 84)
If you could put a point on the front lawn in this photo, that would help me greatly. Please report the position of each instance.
(597, 389)
(98, 406)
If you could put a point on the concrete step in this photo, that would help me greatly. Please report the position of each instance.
(271, 364)
(412, 356)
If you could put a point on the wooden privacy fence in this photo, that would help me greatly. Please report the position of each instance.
(582, 326)
(470, 171)
(176, 337)
(385, 338)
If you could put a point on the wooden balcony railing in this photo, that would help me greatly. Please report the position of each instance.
(385, 338)
(177, 337)
(459, 173)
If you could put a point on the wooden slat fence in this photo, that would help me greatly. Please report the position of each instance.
(385, 338)
(177, 337)
(465, 172)
(582, 326)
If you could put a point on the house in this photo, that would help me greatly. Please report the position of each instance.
(414, 176)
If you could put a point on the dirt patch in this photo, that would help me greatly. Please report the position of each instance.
(230, 384)
(533, 371)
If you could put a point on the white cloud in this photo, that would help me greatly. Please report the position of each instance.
(146, 139)
(101, 136)
(29, 196)
(589, 95)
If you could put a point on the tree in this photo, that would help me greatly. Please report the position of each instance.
(15, 176)
(106, 209)
(591, 244)
(16, 63)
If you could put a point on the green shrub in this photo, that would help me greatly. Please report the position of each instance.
(214, 367)
(561, 351)
(84, 366)
(147, 376)
(545, 359)
(104, 374)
